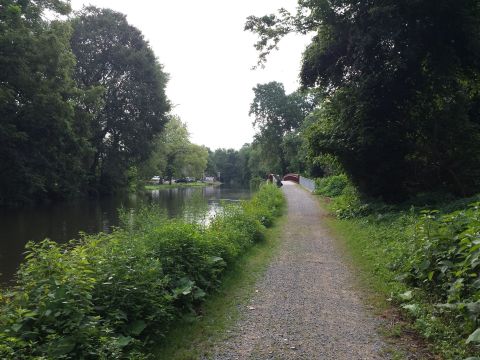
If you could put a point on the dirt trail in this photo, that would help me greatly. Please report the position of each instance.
(306, 306)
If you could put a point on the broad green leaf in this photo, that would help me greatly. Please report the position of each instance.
(474, 337)
(63, 346)
(137, 327)
(406, 296)
(16, 327)
(199, 294)
(124, 341)
(410, 307)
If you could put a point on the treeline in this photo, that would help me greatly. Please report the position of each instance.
(398, 93)
(279, 145)
(174, 156)
(81, 101)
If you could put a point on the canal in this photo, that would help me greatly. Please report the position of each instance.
(63, 221)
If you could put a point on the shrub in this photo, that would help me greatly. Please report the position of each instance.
(107, 295)
(50, 312)
(331, 186)
(446, 261)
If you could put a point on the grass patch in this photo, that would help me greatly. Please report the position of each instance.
(195, 337)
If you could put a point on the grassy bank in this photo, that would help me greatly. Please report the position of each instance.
(194, 337)
(111, 296)
(423, 262)
(179, 185)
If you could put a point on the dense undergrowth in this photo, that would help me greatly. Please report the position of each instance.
(110, 296)
(425, 261)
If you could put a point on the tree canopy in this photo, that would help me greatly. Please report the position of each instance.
(400, 87)
(277, 114)
(42, 145)
(76, 121)
(174, 156)
(113, 55)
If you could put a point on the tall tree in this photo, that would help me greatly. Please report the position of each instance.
(195, 161)
(115, 56)
(275, 115)
(42, 139)
(400, 80)
(174, 155)
(227, 165)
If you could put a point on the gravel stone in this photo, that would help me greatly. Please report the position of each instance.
(307, 306)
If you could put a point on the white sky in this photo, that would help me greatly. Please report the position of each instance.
(209, 57)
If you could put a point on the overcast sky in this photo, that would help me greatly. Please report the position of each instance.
(209, 57)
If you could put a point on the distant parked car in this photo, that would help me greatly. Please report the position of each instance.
(156, 180)
(181, 180)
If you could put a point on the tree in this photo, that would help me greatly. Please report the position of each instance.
(400, 81)
(113, 55)
(277, 114)
(42, 135)
(195, 161)
(226, 162)
(174, 155)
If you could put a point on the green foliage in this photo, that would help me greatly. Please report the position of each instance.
(42, 135)
(332, 185)
(50, 312)
(108, 296)
(276, 115)
(255, 182)
(174, 156)
(267, 205)
(427, 262)
(231, 164)
(113, 55)
(80, 101)
(400, 88)
(445, 261)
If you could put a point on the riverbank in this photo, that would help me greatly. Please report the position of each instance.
(109, 295)
(63, 221)
(180, 185)
(418, 266)
(195, 337)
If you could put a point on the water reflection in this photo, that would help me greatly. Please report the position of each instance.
(63, 221)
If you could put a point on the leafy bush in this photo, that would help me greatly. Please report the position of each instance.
(51, 311)
(332, 185)
(346, 202)
(108, 295)
(428, 260)
(446, 261)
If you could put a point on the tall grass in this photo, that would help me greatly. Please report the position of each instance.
(109, 296)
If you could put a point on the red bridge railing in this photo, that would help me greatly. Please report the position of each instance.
(292, 177)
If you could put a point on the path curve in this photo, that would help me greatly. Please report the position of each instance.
(306, 306)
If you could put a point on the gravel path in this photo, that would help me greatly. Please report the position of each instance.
(306, 306)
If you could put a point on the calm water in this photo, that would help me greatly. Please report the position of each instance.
(63, 221)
